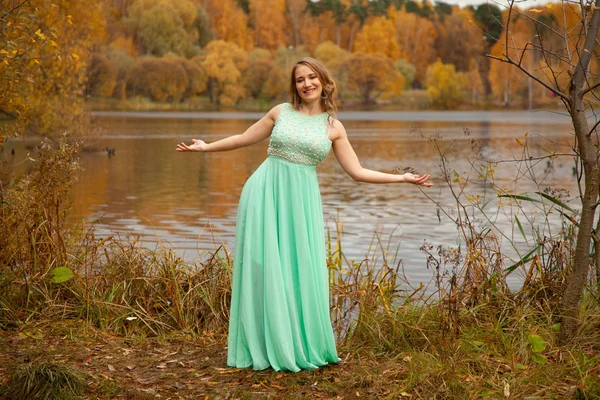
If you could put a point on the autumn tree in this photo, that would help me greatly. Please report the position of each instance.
(163, 26)
(331, 54)
(378, 35)
(44, 56)
(102, 76)
(444, 85)
(267, 18)
(571, 44)
(459, 40)
(225, 64)
(202, 24)
(163, 80)
(196, 76)
(264, 80)
(416, 37)
(489, 17)
(372, 75)
(229, 22)
(407, 70)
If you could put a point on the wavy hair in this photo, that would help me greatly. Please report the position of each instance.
(327, 83)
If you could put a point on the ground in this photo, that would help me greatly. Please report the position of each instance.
(117, 367)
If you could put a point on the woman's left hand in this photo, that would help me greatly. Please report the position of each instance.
(419, 180)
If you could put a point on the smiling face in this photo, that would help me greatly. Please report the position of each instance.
(308, 85)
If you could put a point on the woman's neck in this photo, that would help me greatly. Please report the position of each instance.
(312, 108)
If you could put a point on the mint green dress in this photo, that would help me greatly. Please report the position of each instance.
(280, 292)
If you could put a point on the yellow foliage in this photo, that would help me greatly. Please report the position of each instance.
(378, 35)
(328, 52)
(225, 63)
(43, 72)
(444, 85)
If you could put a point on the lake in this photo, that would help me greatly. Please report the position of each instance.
(188, 201)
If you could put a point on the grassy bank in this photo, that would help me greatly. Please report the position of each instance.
(104, 318)
(134, 323)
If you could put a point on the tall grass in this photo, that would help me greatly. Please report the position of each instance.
(466, 329)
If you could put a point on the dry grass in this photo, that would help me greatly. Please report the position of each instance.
(467, 336)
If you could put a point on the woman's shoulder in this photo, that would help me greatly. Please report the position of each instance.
(337, 129)
(274, 112)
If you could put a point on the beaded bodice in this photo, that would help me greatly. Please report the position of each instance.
(299, 138)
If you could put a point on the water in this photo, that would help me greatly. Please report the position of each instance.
(189, 201)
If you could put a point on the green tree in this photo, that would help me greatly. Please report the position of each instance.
(407, 70)
(202, 25)
(489, 17)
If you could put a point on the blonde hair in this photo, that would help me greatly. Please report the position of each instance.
(327, 83)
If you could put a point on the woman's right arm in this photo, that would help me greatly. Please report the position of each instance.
(256, 133)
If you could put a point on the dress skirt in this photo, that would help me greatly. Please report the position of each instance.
(279, 314)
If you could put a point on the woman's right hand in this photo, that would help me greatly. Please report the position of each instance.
(197, 145)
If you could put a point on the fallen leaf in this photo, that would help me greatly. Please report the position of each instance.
(110, 368)
(277, 387)
(161, 366)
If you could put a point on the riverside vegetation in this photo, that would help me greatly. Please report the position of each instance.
(88, 317)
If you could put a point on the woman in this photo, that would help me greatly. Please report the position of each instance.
(280, 294)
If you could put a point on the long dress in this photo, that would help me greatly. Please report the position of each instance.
(279, 314)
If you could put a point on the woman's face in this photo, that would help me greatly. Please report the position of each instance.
(307, 84)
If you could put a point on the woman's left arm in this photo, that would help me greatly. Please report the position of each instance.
(349, 161)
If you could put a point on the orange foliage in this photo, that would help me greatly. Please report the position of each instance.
(416, 37)
(159, 79)
(102, 76)
(230, 22)
(264, 80)
(268, 20)
(372, 75)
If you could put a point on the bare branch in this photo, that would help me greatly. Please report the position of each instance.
(508, 60)
(594, 127)
(589, 89)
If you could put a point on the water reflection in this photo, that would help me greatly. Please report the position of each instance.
(189, 201)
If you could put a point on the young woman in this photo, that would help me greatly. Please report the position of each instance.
(280, 294)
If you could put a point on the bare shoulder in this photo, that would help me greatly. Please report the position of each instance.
(273, 113)
(337, 130)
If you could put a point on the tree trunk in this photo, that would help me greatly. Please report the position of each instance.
(581, 261)
(591, 168)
